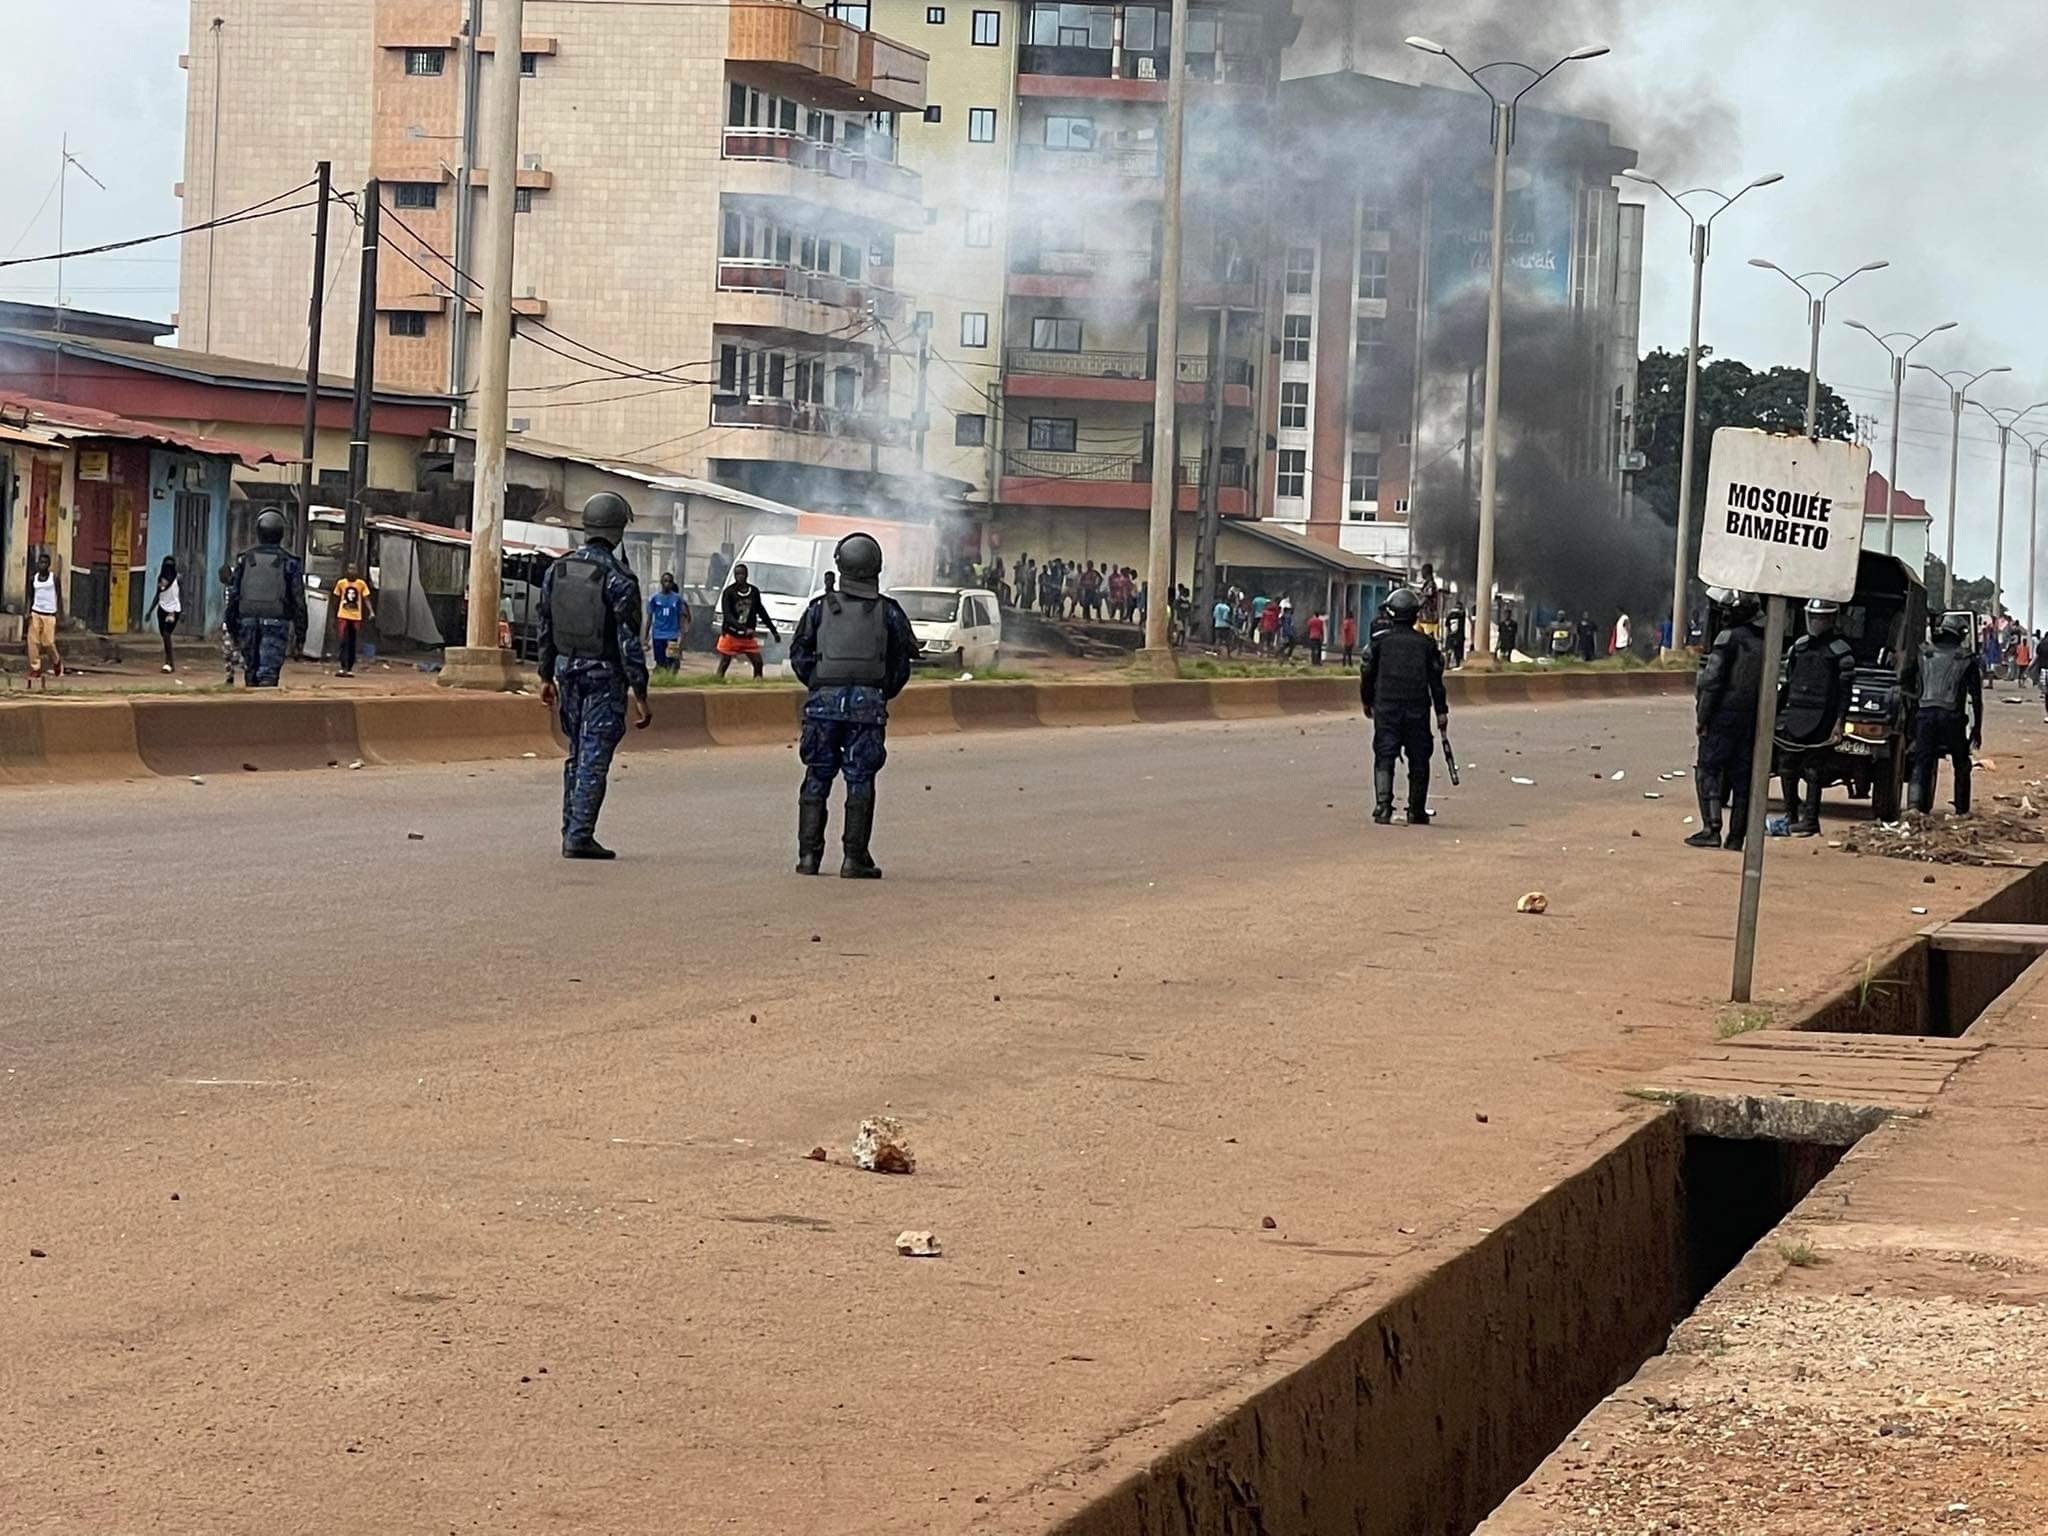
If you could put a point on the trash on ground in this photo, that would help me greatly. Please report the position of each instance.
(1651, 794)
(1535, 903)
(881, 1147)
(1991, 835)
(918, 1245)
(1518, 779)
(1618, 775)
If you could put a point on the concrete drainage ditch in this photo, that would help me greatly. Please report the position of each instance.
(1430, 1412)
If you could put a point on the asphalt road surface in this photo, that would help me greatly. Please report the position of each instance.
(391, 1174)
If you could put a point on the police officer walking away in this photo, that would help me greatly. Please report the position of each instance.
(1813, 702)
(266, 602)
(1950, 676)
(1725, 696)
(590, 656)
(1401, 681)
(852, 649)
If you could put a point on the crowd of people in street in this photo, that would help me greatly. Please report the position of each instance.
(1069, 589)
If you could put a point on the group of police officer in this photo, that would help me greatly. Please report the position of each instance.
(1815, 687)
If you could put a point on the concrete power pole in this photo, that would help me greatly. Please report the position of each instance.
(1166, 366)
(483, 663)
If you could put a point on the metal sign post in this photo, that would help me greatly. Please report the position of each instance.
(1783, 519)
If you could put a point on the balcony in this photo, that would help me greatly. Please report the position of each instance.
(1113, 170)
(826, 62)
(793, 289)
(1111, 482)
(797, 432)
(780, 163)
(1031, 373)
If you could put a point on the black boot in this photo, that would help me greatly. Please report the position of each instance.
(811, 816)
(860, 826)
(1418, 799)
(1708, 788)
(1383, 795)
(586, 848)
(1808, 825)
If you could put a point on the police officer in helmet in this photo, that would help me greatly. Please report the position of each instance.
(590, 657)
(1950, 677)
(1401, 681)
(1813, 701)
(852, 649)
(266, 602)
(1725, 695)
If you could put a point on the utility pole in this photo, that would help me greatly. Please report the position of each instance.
(1209, 531)
(366, 372)
(1166, 366)
(308, 434)
(483, 663)
(465, 205)
(920, 418)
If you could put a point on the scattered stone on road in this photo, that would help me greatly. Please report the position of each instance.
(881, 1147)
(1535, 904)
(1268, 1223)
(918, 1245)
(816, 1154)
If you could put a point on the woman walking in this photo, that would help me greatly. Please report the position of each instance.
(168, 605)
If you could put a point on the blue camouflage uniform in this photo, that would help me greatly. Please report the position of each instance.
(264, 643)
(590, 693)
(845, 728)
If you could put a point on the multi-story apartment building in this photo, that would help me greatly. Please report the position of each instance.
(710, 206)
(1386, 227)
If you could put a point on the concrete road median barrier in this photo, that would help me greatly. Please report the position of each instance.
(678, 722)
(923, 710)
(1172, 700)
(1316, 695)
(267, 731)
(996, 706)
(463, 727)
(1244, 698)
(1086, 704)
(752, 717)
(52, 743)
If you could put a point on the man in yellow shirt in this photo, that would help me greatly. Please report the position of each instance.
(351, 608)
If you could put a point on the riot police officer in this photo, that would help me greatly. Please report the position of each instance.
(1401, 680)
(266, 602)
(590, 656)
(852, 649)
(1725, 696)
(1950, 676)
(1813, 701)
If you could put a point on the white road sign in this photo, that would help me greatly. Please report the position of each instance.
(1784, 515)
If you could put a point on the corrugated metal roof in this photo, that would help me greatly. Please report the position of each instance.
(60, 420)
(205, 367)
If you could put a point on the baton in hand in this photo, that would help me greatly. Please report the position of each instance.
(1450, 757)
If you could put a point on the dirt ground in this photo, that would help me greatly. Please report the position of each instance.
(393, 1183)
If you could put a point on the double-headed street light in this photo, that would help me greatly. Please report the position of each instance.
(1701, 236)
(2036, 446)
(1816, 311)
(1958, 394)
(2005, 420)
(1504, 106)
(1899, 357)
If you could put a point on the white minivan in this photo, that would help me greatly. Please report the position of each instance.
(956, 627)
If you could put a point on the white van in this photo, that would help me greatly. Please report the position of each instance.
(960, 628)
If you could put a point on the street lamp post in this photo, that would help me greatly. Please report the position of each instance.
(2035, 447)
(1816, 312)
(1503, 130)
(1957, 395)
(1898, 359)
(2005, 421)
(1700, 238)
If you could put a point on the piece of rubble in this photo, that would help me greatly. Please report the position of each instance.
(881, 1147)
(1519, 780)
(918, 1245)
(1651, 794)
(1267, 1223)
(816, 1154)
(1535, 903)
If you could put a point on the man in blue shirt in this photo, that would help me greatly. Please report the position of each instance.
(667, 615)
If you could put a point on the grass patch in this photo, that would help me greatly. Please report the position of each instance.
(124, 690)
(1204, 667)
(1872, 988)
(1734, 1021)
(1798, 1252)
(664, 680)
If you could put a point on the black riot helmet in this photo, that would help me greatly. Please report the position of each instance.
(1403, 605)
(1951, 627)
(605, 516)
(270, 526)
(859, 559)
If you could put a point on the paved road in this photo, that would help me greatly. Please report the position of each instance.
(393, 1184)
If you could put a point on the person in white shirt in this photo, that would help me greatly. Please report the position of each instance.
(45, 612)
(168, 605)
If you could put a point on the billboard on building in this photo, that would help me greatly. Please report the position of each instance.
(1539, 236)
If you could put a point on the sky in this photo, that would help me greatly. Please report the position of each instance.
(1907, 132)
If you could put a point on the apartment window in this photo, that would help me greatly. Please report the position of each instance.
(1143, 27)
(1372, 334)
(776, 368)
(854, 15)
(981, 227)
(850, 258)
(981, 125)
(425, 61)
(1365, 476)
(529, 64)
(988, 29)
(1401, 437)
(1291, 478)
(1401, 506)
(405, 322)
(1372, 274)
(1294, 335)
(923, 321)
(970, 431)
(1377, 219)
(1051, 333)
(728, 369)
(974, 328)
(1301, 269)
(1053, 434)
(522, 200)
(1294, 405)
(414, 194)
(935, 15)
(931, 113)
(1069, 132)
